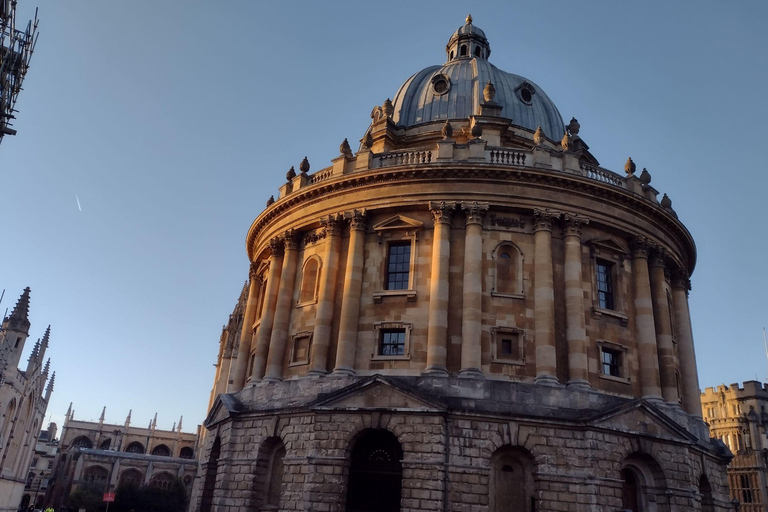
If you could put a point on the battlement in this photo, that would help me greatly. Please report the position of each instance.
(750, 388)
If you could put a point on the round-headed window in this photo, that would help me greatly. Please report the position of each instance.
(440, 84)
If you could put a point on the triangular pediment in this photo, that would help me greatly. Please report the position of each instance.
(609, 244)
(639, 417)
(377, 393)
(223, 407)
(399, 222)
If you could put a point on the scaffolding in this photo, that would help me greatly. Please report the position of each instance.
(16, 47)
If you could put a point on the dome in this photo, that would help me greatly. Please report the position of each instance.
(455, 89)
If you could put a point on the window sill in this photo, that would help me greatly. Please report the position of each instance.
(306, 303)
(623, 380)
(598, 312)
(406, 357)
(298, 363)
(508, 295)
(378, 296)
(513, 362)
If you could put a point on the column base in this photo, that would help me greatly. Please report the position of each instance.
(579, 384)
(471, 373)
(654, 399)
(343, 371)
(546, 380)
(272, 379)
(435, 371)
(315, 374)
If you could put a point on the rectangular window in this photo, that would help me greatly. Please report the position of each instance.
(611, 362)
(507, 345)
(605, 285)
(300, 349)
(392, 342)
(398, 265)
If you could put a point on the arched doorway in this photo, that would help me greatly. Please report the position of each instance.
(705, 489)
(376, 473)
(512, 487)
(209, 484)
(630, 491)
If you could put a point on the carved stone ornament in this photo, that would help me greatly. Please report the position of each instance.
(276, 244)
(538, 136)
(447, 130)
(543, 219)
(574, 126)
(681, 279)
(475, 129)
(666, 202)
(367, 141)
(271, 201)
(344, 148)
(290, 174)
(376, 113)
(658, 256)
(630, 167)
(573, 224)
(508, 222)
(489, 92)
(387, 108)
(469, 19)
(312, 237)
(253, 271)
(332, 224)
(641, 246)
(566, 142)
(291, 240)
(357, 220)
(304, 166)
(645, 177)
(474, 211)
(442, 211)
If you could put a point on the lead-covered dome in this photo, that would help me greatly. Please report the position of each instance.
(455, 89)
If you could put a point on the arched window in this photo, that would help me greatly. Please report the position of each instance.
(95, 475)
(105, 444)
(269, 473)
(511, 484)
(451, 57)
(82, 442)
(376, 473)
(643, 482)
(135, 447)
(210, 469)
(508, 262)
(477, 51)
(187, 453)
(309, 279)
(131, 477)
(463, 50)
(630, 495)
(161, 450)
(161, 480)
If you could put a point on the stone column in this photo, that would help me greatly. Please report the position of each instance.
(264, 332)
(544, 298)
(437, 331)
(350, 302)
(663, 329)
(690, 375)
(283, 309)
(321, 338)
(471, 322)
(645, 330)
(575, 332)
(246, 334)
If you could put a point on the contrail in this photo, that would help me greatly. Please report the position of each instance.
(78, 203)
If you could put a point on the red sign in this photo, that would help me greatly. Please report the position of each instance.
(109, 497)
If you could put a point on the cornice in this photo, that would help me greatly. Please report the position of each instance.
(568, 183)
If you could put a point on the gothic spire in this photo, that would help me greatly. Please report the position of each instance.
(128, 418)
(69, 411)
(49, 389)
(44, 344)
(103, 412)
(47, 367)
(19, 318)
(35, 352)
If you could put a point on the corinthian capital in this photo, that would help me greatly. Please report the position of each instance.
(357, 220)
(572, 224)
(276, 244)
(659, 256)
(252, 271)
(641, 246)
(543, 219)
(442, 211)
(681, 279)
(474, 211)
(291, 240)
(332, 224)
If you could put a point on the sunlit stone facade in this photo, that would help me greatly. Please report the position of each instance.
(468, 314)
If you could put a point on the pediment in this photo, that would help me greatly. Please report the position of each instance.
(377, 393)
(609, 244)
(641, 418)
(223, 407)
(398, 222)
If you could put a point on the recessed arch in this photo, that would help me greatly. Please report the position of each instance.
(210, 468)
(82, 442)
(705, 489)
(508, 269)
(511, 482)
(310, 279)
(376, 472)
(643, 482)
(187, 453)
(135, 447)
(95, 475)
(105, 444)
(161, 450)
(162, 480)
(268, 479)
(132, 477)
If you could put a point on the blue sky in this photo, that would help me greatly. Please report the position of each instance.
(173, 122)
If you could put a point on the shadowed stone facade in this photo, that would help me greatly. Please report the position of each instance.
(467, 314)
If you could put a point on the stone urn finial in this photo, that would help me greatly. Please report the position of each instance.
(538, 136)
(566, 142)
(367, 141)
(475, 129)
(304, 166)
(645, 177)
(666, 202)
(271, 201)
(290, 174)
(630, 167)
(344, 148)
(387, 108)
(447, 130)
(489, 92)
(574, 126)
